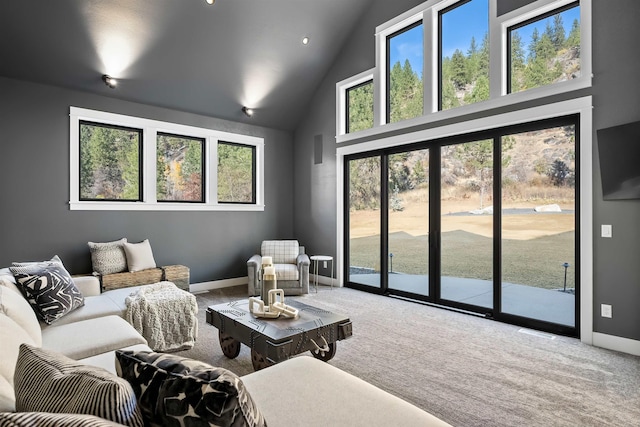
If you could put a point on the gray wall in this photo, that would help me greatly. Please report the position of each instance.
(616, 97)
(34, 178)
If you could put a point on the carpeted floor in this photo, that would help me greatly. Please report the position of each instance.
(465, 370)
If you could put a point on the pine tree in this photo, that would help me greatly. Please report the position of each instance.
(557, 33)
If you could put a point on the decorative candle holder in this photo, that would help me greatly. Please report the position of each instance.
(268, 282)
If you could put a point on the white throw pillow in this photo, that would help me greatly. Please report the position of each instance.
(139, 256)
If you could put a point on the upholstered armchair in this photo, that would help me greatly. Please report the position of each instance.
(291, 265)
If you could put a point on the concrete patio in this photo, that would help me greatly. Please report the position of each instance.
(537, 303)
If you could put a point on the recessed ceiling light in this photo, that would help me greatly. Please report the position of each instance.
(210, 1)
(109, 81)
(305, 40)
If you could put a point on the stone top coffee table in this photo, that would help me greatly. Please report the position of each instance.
(274, 340)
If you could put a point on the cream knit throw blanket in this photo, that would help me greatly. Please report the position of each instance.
(165, 315)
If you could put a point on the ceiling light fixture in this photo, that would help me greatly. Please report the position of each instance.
(109, 81)
(305, 40)
(247, 111)
(210, 1)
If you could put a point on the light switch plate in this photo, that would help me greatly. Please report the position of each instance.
(607, 230)
(606, 311)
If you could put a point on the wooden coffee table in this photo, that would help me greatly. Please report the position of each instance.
(274, 340)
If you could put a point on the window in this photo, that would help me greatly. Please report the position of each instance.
(120, 162)
(446, 59)
(110, 162)
(360, 107)
(405, 52)
(179, 168)
(464, 54)
(236, 173)
(545, 50)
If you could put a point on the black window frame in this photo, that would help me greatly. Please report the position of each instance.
(253, 174)
(140, 133)
(202, 167)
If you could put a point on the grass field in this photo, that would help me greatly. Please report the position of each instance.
(534, 246)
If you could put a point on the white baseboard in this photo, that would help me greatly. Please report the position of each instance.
(611, 342)
(217, 284)
(227, 283)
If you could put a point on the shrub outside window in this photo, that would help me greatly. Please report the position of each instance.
(545, 50)
(179, 168)
(110, 162)
(236, 173)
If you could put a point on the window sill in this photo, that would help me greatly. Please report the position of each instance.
(142, 206)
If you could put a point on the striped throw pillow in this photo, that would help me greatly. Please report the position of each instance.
(46, 381)
(30, 419)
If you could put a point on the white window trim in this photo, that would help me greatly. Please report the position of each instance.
(150, 130)
(341, 98)
(581, 106)
(499, 97)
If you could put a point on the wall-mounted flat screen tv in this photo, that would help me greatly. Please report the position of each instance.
(619, 154)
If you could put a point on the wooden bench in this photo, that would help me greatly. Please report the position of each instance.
(178, 274)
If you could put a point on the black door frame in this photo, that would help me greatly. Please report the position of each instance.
(434, 296)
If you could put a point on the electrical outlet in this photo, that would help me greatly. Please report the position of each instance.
(607, 230)
(606, 311)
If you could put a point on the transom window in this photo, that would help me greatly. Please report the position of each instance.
(450, 58)
(128, 163)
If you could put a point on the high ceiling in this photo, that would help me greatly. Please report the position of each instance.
(182, 54)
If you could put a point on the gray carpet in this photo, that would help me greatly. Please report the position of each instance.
(465, 370)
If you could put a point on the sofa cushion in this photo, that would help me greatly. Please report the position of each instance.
(91, 337)
(49, 289)
(9, 282)
(107, 360)
(30, 419)
(7, 396)
(98, 306)
(108, 257)
(46, 381)
(170, 387)
(17, 308)
(282, 251)
(321, 394)
(139, 256)
(11, 337)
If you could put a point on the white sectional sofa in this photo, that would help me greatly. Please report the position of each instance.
(300, 391)
(90, 334)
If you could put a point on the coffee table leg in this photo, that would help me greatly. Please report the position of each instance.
(327, 355)
(258, 361)
(230, 347)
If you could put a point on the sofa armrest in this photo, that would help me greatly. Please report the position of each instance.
(89, 286)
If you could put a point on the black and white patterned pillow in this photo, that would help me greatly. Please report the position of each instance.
(49, 289)
(31, 419)
(46, 381)
(176, 391)
(108, 257)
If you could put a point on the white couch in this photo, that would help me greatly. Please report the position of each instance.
(299, 391)
(89, 334)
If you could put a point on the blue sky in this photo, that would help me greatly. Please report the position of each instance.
(457, 31)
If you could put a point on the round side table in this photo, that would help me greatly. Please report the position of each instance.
(316, 259)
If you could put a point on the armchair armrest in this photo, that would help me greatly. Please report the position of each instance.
(255, 261)
(303, 259)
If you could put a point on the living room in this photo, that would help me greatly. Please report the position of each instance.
(300, 196)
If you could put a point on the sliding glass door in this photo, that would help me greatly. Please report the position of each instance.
(408, 216)
(485, 223)
(364, 219)
(466, 223)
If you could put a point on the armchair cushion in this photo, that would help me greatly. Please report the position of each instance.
(282, 251)
(287, 272)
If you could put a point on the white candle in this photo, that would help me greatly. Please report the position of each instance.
(267, 260)
(269, 271)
